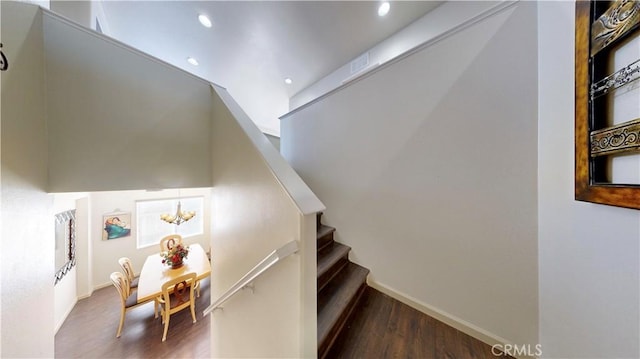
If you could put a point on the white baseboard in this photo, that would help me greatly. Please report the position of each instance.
(99, 286)
(451, 320)
(64, 318)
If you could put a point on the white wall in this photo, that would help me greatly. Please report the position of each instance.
(72, 104)
(252, 216)
(27, 264)
(112, 111)
(65, 298)
(84, 264)
(105, 254)
(43, 3)
(82, 12)
(428, 170)
(79, 12)
(430, 28)
(589, 255)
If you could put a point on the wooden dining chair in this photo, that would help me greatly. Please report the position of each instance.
(170, 241)
(177, 294)
(128, 299)
(127, 269)
(166, 242)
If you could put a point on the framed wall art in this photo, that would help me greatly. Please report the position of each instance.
(116, 225)
(607, 103)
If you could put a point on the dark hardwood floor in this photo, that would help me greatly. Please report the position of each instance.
(383, 327)
(90, 330)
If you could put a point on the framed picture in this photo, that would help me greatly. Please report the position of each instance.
(116, 225)
(607, 99)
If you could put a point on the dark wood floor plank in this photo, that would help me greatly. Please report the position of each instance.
(395, 335)
(90, 330)
(418, 333)
(474, 349)
(379, 307)
(336, 299)
(383, 327)
(447, 344)
(375, 306)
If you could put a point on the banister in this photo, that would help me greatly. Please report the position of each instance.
(270, 260)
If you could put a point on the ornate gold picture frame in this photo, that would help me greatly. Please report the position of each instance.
(607, 110)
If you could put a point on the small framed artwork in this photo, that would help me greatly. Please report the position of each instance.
(116, 225)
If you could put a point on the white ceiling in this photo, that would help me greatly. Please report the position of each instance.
(254, 45)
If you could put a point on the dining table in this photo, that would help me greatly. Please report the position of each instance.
(154, 273)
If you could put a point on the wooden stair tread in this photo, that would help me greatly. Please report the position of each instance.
(334, 300)
(324, 236)
(340, 284)
(323, 230)
(330, 256)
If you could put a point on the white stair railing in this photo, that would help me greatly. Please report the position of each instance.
(273, 258)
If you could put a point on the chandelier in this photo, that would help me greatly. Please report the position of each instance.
(179, 218)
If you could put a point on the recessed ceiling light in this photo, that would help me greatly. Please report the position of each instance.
(288, 81)
(384, 8)
(204, 20)
(192, 61)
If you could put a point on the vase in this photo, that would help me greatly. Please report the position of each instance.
(177, 265)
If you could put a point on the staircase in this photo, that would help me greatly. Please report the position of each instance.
(340, 286)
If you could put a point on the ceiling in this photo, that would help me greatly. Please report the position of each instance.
(254, 45)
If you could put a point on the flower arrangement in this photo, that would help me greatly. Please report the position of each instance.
(175, 255)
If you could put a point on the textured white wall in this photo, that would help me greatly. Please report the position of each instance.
(79, 12)
(84, 268)
(252, 216)
(428, 28)
(57, 95)
(65, 298)
(111, 111)
(27, 264)
(428, 170)
(589, 255)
